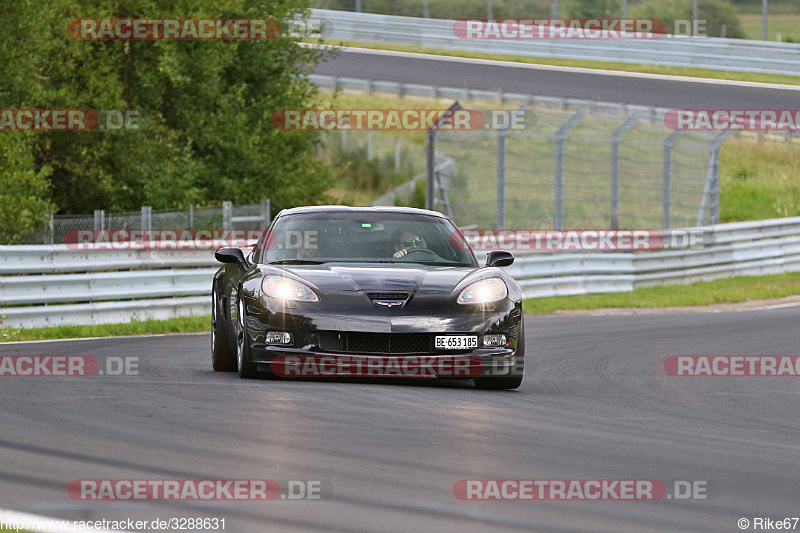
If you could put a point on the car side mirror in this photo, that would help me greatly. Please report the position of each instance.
(231, 255)
(499, 259)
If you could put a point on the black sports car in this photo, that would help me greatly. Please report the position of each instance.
(367, 291)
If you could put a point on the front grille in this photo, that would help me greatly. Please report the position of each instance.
(376, 343)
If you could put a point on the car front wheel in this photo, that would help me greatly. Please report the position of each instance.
(246, 368)
(222, 360)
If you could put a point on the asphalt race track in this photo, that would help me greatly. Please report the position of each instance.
(530, 79)
(596, 404)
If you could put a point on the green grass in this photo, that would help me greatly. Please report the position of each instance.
(788, 25)
(607, 65)
(190, 324)
(729, 290)
(758, 180)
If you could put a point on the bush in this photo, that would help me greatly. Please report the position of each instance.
(594, 9)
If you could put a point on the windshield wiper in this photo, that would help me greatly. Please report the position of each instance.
(297, 262)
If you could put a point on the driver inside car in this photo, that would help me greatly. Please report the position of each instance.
(404, 241)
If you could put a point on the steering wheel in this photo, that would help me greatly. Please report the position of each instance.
(416, 250)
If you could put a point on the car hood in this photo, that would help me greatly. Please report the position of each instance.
(411, 278)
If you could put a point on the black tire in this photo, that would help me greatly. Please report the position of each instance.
(222, 359)
(507, 382)
(246, 369)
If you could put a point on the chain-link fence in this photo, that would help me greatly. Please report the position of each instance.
(580, 168)
(225, 217)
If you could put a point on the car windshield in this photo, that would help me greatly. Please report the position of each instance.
(361, 236)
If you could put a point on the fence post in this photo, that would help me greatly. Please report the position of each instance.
(711, 187)
(397, 154)
(616, 137)
(52, 230)
(430, 163)
(99, 220)
(369, 144)
(227, 214)
(501, 179)
(561, 135)
(191, 216)
(666, 186)
(430, 154)
(266, 209)
(146, 218)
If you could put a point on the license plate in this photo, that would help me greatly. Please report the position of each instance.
(456, 342)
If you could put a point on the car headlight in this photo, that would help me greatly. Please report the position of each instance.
(481, 292)
(288, 289)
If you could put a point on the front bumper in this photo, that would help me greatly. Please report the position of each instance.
(310, 362)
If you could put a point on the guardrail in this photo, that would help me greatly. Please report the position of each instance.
(702, 52)
(53, 285)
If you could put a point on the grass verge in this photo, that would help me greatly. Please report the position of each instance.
(787, 24)
(190, 324)
(729, 290)
(582, 63)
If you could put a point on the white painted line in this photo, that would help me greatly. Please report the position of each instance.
(43, 524)
(776, 306)
(109, 337)
(578, 70)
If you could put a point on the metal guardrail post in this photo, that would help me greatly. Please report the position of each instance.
(227, 215)
(501, 179)
(666, 186)
(615, 140)
(561, 136)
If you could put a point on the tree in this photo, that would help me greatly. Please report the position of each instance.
(24, 189)
(206, 135)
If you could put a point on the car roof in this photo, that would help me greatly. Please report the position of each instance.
(369, 209)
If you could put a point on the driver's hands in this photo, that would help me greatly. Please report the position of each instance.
(400, 253)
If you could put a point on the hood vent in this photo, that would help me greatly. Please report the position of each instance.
(388, 295)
